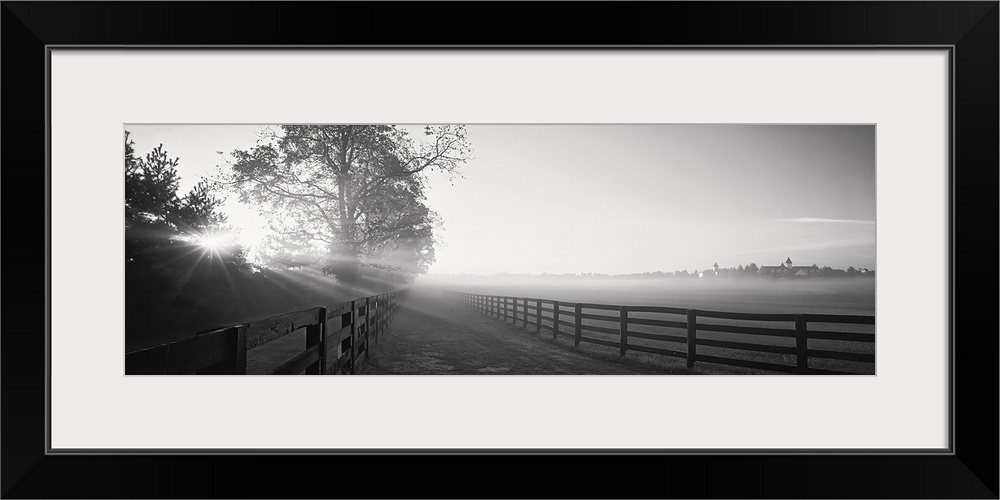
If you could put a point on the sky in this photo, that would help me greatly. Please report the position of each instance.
(619, 199)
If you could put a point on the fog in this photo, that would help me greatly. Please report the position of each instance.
(855, 295)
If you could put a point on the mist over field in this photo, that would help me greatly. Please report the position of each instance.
(828, 296)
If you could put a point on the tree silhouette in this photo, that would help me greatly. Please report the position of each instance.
(169, 271)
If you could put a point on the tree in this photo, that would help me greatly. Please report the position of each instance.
(155, 217)
(349, 197)
(166, 249)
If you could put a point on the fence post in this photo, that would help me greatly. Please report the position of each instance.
(579, 326)
(323, 347)
(538, 315)
(315, 337)
(513, 316)
(374, 328)
(378, 317)
(354, 334)
(241, 350)
(801, 344)
(623, 327)
(555, 319)
(692, 334)
(368, 326)
(525, 313)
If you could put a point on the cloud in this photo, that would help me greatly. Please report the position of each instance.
(822, 243)
(819, 219)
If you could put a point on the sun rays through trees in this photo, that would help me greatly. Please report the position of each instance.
(348, 199)
(345, 205)
(177, 253)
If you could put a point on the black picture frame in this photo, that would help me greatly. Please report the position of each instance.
(970, 29)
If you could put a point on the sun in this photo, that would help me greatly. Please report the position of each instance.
(214, 241)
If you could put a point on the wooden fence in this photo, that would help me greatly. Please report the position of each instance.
(779, 337)
(336, 342)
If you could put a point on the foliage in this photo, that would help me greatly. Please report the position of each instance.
(348, 198)
(169, 278)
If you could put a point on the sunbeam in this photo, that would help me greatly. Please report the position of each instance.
(214, 242)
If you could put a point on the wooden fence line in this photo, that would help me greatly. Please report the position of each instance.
(329, 350)
(499, 306)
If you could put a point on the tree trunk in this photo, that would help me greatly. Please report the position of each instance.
(348, 270)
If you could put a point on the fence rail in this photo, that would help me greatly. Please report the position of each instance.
(682, 327)
(336, 341)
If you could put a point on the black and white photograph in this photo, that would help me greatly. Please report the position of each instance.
(778, 217)
(500, 249)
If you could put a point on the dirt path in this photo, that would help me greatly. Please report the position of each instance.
(432, 335)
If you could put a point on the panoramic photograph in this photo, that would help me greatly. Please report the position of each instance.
(500, 249)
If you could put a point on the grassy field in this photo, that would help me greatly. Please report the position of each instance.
(849, 296)
(846, 296)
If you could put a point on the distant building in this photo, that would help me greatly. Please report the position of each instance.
(787, 270)
(710, 273)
